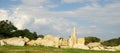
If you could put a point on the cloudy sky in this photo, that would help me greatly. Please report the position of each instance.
(100, 18)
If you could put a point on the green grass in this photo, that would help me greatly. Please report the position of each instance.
(42, 49)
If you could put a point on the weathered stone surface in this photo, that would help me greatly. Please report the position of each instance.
(31, 43)
(117, 48)
(26, 39)
(81, 46)
(14, 41)
(64, 42)
(48, 40)
(38, 41)
(2, 43)
(35, 42)
(72, 39)
(101, 47)
(95, 48)
(81, 41)
(57, 42)
(110, 49)
(92, 45)
(48, 37)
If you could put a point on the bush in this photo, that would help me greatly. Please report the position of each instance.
(112, 42)
(91, 39)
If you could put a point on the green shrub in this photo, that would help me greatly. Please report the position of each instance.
(112, 42)
(7, 30)
(91, 39)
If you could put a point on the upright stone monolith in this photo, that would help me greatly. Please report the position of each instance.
(72, 39)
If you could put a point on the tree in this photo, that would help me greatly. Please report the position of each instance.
(6, 28)
(91, 39)
(40, 36)
(25, 33)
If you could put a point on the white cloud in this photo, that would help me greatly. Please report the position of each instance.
(3, 14)
(72, 1)
(41, 21)
(13, 0)
(33, 3)
(91, 2)
(33, 15)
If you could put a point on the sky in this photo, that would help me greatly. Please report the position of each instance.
(99, 18)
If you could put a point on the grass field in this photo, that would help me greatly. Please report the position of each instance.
(42, 49)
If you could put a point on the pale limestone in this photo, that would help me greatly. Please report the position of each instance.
(48, 40)
(57, 42)
(26, 39)
(48, 37)
(81, 41)
(31, 43)
(38, 41)
(117, 48)
(2, 43)
(92, 45)
(64, 42)
(81, 46)
(95, 48)
(14, 41)
(72, 39)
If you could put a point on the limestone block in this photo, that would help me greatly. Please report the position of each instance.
(117, 48)
(81, 46)
(38, 41)
(47, 42)
(64, 42)
(26, 39)
(101, 47)
(31, 43)
(2, 43)
(57, 41)
(92, 45)
(81, 41)
(48, 37)
(14, 41)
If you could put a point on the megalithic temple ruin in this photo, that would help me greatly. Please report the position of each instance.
(72, 39)
(49, 40)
